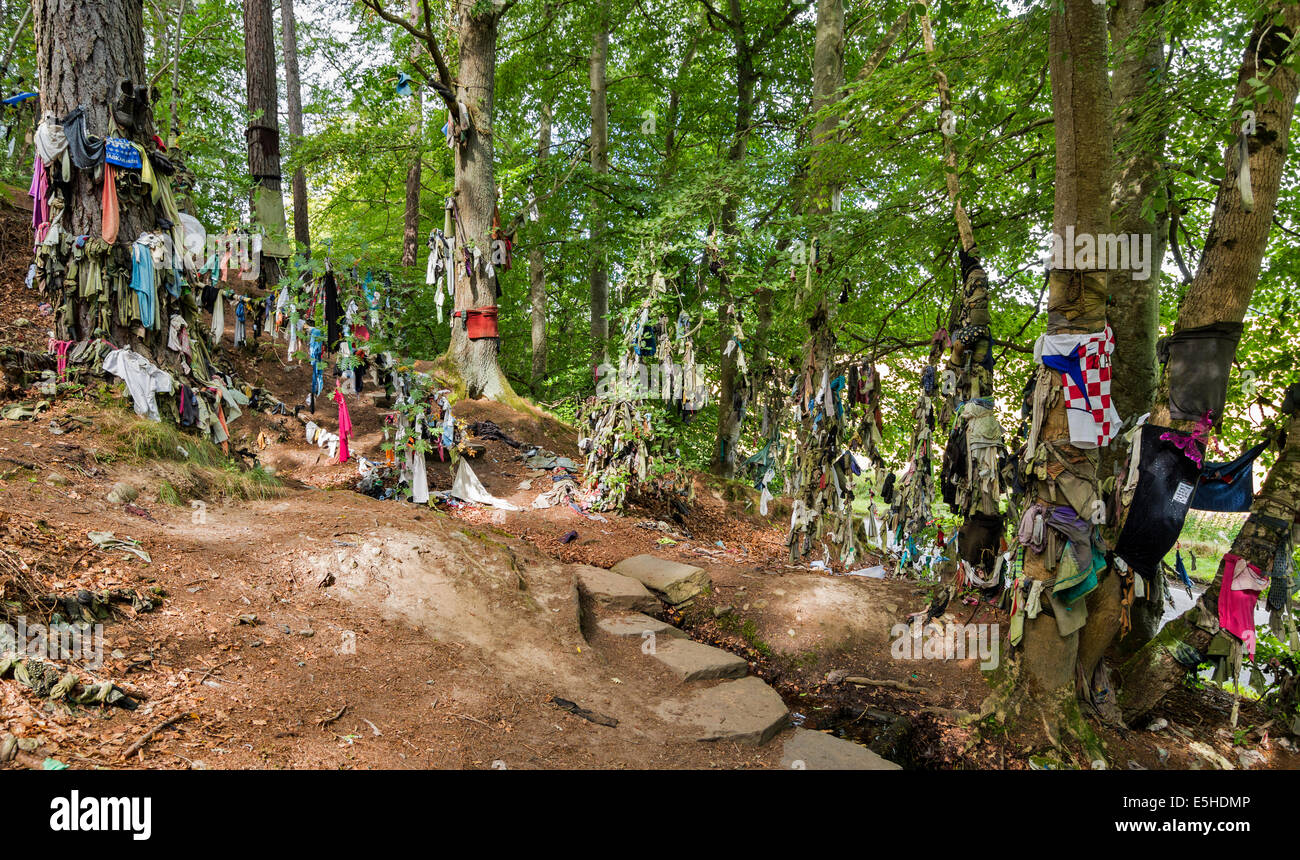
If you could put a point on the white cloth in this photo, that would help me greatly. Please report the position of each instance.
(178, 335)
(218, 318)
(143, 380)
(468, 488)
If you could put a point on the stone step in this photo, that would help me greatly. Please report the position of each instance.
(695, 661)
(636, 625)
(746, 711)
(674, 581)
(613, 591)
(809, 750)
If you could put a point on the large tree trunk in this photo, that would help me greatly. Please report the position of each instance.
(263, 136)
(600, 167)
(293, 89)
(537, 266)
(83, 52)
(1137, 34)
(476, 193)
(1220, 292)
(1081, 107)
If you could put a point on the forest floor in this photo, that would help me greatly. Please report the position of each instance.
(306, 625)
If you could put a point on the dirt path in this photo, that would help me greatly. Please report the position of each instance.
(324, 629)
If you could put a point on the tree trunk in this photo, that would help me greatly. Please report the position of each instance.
(537, 266)
(600, 167)
(293, 89)
(266, 203)
(173, 121)
(1220, 292)
(84, 51)
(411, 218)
(828, 78)
(476, 193)
(729, 418)
(1081, 107)
(1137, 34)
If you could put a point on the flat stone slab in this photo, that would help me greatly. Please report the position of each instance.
(747, 711)
(614, 591)
(636, 625)
(808, 750)
(674, 581)
(695, 661)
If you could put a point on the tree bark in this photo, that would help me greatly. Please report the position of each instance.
(476, 195)
(537, 265)
(266, 203)
(293, 90)
(828, 79)
(1220, 292)
(1081, 107)
(728, 437)
(599, 167)
(1137, 34)
(173, 121)
(411, 216)
(83, 52)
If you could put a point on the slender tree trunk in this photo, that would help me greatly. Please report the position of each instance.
(266, 203)
(728, 437)
(13, 41)
(1220, 292)
(1081, 106)
(828, 78)
(293, 89)
(600, 167)
(411, 219)
(173, 121)
(537, 265)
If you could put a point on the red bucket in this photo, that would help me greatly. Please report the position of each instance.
(481, 322)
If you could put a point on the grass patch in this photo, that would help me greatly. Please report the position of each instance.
(197, 468)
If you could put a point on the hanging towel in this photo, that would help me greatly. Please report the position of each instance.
(143, 282)
(1239, 588)
(109, 203)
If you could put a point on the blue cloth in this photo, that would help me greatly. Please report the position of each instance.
(1181, 570)
(21, 97)
(1228, 486)
(120, 152)
(1069, 365)
(142, 281)
(317, 366)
